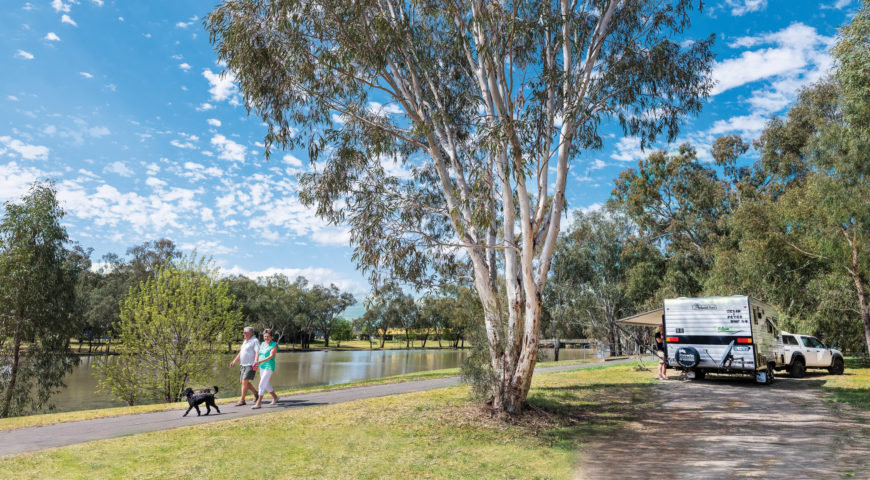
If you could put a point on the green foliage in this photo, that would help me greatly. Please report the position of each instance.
(38, 308)
(342, 329)
(169, 325)
(489, 100)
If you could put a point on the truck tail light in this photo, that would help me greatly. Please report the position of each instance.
(744, 340)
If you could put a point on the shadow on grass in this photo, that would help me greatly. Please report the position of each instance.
(566, 416)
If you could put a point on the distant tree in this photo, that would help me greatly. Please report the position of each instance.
(342, 330)
(327, 303)
(401, 312)
(148, 257)
(38, 308)
(591, 264)
(492, 97)
(169, 325)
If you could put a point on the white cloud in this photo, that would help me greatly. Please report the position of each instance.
(797, 50)
(16, 179)
(120, 19)
(27, 6)
(59, 6)
(742, 7)
(12, 98)
(214, 122)
(24, 55)
(24, 150)
(98, 132)
(316, 275)
(152, 168)
(155, 182)
(222, 86)
(292, 161)
(228, 149)
(98, 3)
(205, 107)
(86, 74)
(384, 110)
(185, 66)
(183, 24)
(185, 145)
(597, 165)
(119, 168)
(65, 19)
(628, 150)
(749, 126)
(332, 236)
(51, 37)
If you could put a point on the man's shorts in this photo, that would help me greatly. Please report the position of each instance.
(661, 356)
(247, 373)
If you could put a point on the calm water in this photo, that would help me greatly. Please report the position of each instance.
(293, 370)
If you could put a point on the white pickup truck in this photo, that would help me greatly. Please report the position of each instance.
(801, 352)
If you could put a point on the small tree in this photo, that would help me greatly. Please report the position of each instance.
(342, 330)
(37, 302)
(169, 326)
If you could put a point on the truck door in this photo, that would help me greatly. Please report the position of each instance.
(789, 345)
(823, 353)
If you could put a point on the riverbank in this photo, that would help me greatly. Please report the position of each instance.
(436, 434)
(52, 418)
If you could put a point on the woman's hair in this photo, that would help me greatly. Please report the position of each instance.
(267, 330)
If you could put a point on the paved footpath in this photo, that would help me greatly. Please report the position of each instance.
(57, 435)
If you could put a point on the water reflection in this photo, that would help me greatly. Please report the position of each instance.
(296, 369)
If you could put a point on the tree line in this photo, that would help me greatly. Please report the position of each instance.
(785, 218)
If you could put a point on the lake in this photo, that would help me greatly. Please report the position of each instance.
(294, 370)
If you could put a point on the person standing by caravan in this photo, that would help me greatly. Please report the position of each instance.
(659, 348)
(266, 362)
(246, 358)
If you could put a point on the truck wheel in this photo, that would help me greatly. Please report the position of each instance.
(798, 368)
(836, 367)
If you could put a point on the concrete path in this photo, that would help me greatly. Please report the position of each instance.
(49, 436)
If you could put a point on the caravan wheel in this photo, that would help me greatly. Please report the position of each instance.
(700, 374)
(769, 377)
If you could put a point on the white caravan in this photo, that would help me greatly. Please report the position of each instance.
(735, 334)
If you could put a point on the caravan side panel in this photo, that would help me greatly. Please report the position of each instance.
(709, 325)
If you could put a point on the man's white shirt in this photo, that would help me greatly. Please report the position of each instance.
(248, 353)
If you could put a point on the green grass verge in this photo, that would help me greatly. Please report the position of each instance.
(853, 387)
(434, 434)
(52, 418)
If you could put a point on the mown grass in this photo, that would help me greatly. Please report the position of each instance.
(434, 434)
(51, 418)
(853, 387)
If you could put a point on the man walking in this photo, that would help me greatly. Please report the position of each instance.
(246, 358)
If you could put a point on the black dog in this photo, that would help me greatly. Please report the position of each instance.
(196, 399)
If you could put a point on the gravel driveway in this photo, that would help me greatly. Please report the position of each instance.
(724, 428)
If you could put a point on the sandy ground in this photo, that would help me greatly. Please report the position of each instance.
(725, 428)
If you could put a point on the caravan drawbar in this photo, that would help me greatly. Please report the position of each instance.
(735, 335)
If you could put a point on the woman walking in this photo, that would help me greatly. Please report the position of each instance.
(266, 363)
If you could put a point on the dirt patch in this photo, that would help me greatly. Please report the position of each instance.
(724, 428)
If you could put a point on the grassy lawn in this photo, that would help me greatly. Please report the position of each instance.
(853, 387)
(434, 434)
(50, 418)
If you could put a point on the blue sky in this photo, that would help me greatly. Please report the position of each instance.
(123, 104)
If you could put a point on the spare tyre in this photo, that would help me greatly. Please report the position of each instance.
(687, 357)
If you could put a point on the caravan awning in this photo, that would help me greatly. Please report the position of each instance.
(652, 318)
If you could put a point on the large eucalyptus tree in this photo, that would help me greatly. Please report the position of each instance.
(437, 126)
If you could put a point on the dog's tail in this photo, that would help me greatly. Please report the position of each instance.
(215, 389)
